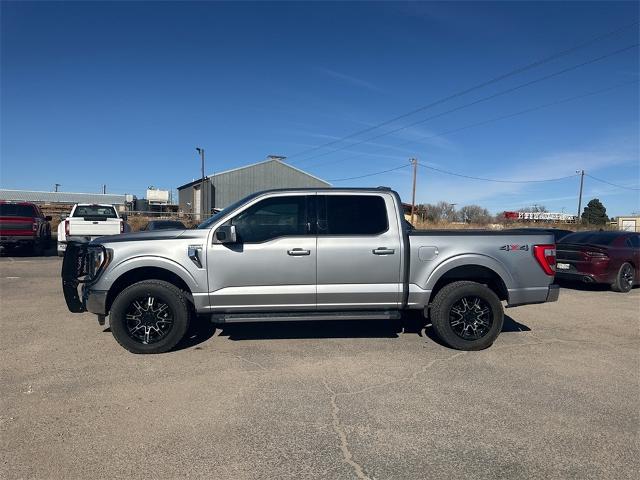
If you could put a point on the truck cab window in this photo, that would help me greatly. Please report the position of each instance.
(271, 218)
(352, 215)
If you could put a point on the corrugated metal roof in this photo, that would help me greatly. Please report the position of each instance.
(269, 160)
(60, 197)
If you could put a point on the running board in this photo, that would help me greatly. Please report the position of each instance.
(305, 316)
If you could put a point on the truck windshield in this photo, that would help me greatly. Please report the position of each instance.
(14, 210)
(95, 211)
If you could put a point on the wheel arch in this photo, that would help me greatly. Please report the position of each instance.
(146, 273)
(471, 271)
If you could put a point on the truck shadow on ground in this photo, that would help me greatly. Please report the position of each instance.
(202, 330)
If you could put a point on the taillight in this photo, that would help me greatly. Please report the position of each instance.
(66, 228)
(546, 257)
(121, 226)
(34, 225)
(591, 255)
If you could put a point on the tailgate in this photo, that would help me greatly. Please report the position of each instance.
(93, 228)
(16, 226)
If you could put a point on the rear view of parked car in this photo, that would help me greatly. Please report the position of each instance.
(609, 258)
(164, 225)
(23, 224)
(89, 221)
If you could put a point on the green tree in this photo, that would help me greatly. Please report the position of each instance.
(595, 213)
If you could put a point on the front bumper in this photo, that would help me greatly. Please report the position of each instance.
(95, 300)
(76, 270)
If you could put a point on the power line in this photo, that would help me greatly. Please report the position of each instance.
(493, 179)
(484, 99)
(451, 173)
(496, 119)
(612, 184)
(471, 89)
(370, 174)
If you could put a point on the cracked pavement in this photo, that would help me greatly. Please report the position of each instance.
(557, 396)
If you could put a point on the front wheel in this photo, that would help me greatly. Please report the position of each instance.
(150, 316)
(467, 315)
(624, 279)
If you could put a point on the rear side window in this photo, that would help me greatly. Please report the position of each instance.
(634, 241)
(352, 215)
(95, 211)
(14, 210)
(272, 218)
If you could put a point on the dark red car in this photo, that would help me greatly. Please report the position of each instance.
(22, 224)
(600, 257)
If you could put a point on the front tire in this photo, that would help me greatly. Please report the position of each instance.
(150, 316)
(624, 279)
(467, 315)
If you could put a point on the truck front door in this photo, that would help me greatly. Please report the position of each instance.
(359, 252)
(272, 267)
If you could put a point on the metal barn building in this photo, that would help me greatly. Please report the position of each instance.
(224, 188)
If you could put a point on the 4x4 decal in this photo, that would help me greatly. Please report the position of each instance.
(510, 248)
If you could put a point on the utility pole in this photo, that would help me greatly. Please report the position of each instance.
(414, 162)
(581, 172)
(55, 186)
(201, 152)
(104, 188)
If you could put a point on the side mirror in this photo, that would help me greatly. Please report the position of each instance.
(48, 218)
(225, 234)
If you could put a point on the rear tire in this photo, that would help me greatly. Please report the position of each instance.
(467, 315)
(624, 279)
(150, 316)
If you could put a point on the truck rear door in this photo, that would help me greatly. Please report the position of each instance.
(359, 252)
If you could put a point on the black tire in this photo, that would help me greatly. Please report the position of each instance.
(38, 248)
(624, 279)
(162, 328)
(476, 327)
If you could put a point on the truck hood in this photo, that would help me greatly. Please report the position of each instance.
(152, 235)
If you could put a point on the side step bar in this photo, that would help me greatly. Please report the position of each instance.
(305, 316)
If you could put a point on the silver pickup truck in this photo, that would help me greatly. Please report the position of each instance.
(319, 254)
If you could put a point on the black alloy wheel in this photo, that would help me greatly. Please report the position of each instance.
(148, 320)
(471, 317)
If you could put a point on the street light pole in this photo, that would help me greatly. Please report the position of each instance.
(201, 152)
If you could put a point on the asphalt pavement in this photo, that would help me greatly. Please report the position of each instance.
(557, 396)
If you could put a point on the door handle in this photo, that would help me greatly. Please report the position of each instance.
(298, 252)
(383, 251)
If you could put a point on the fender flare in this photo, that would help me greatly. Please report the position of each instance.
(133, 263)
(469, 259)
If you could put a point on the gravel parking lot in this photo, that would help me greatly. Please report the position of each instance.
(556, 396)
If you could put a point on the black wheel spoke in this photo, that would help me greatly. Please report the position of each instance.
(471, 317)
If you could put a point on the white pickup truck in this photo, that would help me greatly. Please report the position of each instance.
(88, 221)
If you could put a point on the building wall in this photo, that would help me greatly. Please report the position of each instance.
(228, 187)
(234, 185)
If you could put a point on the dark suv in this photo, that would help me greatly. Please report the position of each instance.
(23, 224)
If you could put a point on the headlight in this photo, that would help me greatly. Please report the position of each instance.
(98, 259)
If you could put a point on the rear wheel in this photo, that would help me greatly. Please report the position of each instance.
(467, 315)
(150, 316)
(624, 279)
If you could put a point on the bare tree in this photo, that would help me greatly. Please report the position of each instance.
(534, 209)
(475, 214)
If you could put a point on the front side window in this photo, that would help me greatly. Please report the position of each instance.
(271, 218)
(352, 215)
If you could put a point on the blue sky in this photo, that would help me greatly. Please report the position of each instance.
(121, 93)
